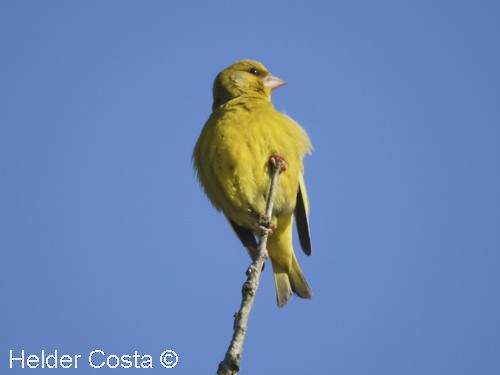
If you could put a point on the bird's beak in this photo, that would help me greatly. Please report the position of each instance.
(273, 82)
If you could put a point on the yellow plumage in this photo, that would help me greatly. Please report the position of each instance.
(231, 158)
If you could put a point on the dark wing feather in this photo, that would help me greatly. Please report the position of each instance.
(302, 218)
(246, 237)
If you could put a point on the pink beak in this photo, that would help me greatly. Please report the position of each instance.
(273, 82)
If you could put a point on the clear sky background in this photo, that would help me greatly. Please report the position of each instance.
(107, 241)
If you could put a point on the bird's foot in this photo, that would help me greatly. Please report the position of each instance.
(278, 161)
(264, 224)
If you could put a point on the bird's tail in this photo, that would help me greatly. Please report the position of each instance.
(290, 282)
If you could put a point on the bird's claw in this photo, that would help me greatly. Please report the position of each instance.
(264, 224)
(278, 161)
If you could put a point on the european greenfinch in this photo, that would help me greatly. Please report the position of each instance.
(231, 158)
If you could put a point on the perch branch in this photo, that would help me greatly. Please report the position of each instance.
(231, 363)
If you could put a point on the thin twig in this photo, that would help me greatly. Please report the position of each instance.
(231, 363)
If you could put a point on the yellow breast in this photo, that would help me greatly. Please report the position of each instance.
(232, 158)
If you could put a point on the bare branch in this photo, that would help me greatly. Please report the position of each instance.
(231, 363)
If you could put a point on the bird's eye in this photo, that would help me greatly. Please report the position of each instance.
(254, 71)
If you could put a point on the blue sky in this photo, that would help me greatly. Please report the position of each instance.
(108, 242)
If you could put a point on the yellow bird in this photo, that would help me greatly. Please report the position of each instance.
(231, 159)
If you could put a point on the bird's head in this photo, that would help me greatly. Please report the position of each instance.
(244, 78)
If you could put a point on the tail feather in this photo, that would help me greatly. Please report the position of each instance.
(283, 288)
(290, 282)
(298, 282)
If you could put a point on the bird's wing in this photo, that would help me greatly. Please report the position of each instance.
(246, 237)
(302, 217)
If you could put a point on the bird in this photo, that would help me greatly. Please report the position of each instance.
(231, 160)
